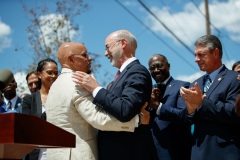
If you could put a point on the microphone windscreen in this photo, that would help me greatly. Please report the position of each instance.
(6, 76)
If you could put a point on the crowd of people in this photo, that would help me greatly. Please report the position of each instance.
(133, 118)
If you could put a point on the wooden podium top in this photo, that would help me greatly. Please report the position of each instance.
(24, 133)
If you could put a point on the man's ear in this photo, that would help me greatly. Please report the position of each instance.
(216, 52)
(70, 59)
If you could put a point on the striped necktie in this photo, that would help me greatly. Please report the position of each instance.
(207, 85)
(9, 105)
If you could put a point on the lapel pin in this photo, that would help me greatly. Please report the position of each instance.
(219, 79)
(169, 85)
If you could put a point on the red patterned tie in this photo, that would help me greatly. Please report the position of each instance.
(117, 74)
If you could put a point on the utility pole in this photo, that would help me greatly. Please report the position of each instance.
(207, 18)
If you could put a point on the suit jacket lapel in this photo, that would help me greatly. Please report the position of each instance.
(169, 86)
(18, 105)
(217, 80)
(122, 74)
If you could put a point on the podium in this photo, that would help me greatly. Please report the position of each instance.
(21, 133)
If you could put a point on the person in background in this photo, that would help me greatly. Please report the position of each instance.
(13, 102)
(32, 81)
(34, 104)
(2, 104)
(236, 68)
(130, 90)
(70, 107)
(23, 95)
(168, 120)
(210, 102)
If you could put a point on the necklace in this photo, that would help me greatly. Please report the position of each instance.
(44, 97)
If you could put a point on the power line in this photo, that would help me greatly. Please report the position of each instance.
(179, 40)
(220, 34)
(176, 21)
(165, 43)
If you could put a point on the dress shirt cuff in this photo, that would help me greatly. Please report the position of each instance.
(136, 120)
(95, 91)
(159, 108)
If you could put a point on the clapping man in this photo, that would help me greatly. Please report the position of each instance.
(211, 104)
(171, 132)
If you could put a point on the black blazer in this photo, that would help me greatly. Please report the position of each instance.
(32, 104)
(124, 100)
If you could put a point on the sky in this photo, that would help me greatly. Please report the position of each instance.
(184, 18)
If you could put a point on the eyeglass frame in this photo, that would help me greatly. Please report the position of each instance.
(106, 46)
(85, 55)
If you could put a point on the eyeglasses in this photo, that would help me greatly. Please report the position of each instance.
(158, 66)
(51, 73)
(85, 55)
(109, 47)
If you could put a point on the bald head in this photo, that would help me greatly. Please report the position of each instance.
(69, 49)
(73, 55)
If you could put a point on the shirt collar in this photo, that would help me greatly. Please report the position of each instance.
(165, 82)
(127, 63)
(13, 101)
(214, 74)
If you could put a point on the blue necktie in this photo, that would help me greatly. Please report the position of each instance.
(207, 85)
(9, 105)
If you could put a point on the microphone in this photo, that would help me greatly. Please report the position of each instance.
(6, 76)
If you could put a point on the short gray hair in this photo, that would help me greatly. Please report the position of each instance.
(211, 42)
(128, 36)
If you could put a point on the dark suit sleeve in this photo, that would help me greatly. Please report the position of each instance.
(129, 95)
(175, 111)
(26, 104)
(220, 107)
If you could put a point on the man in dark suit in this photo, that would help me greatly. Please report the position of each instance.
(211, 104)
(129, 91)
(171, 133)
(13, 102)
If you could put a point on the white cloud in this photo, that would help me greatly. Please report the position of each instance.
(20, 78)
(229, 64)
(55, 25)
(189, 24)
(130, 3)
(190, 78)
(5, 31)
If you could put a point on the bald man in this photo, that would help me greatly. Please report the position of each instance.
(70, 107)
